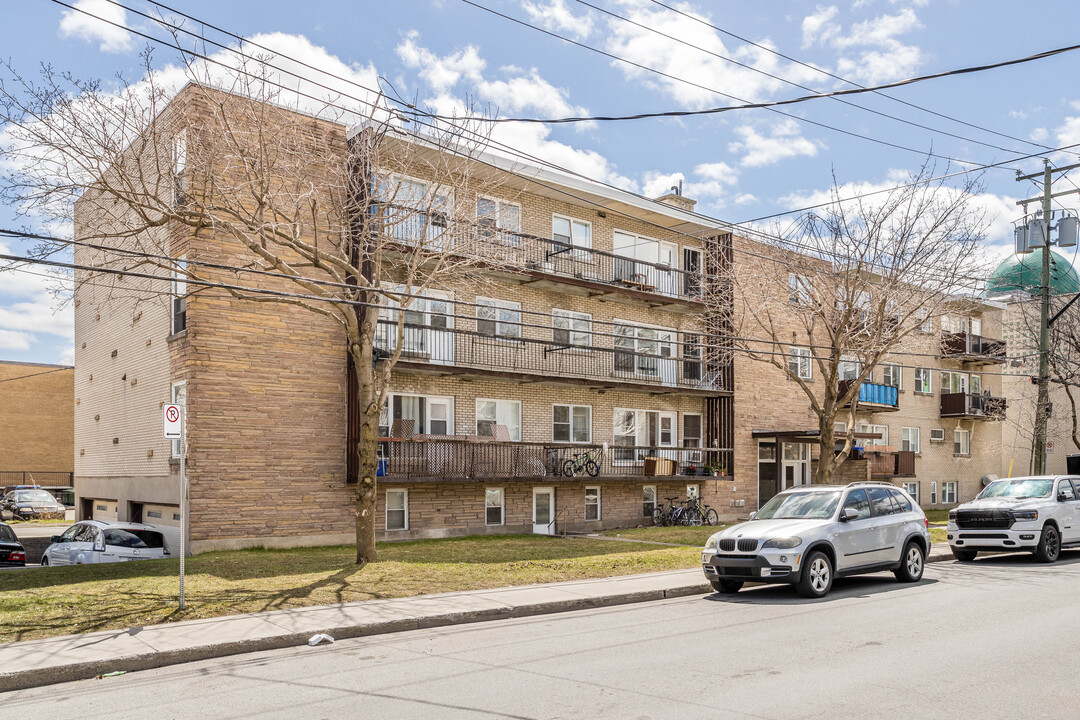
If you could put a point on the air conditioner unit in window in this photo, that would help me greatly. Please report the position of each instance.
(937, 435)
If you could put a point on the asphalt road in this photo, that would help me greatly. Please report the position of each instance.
(994, 639)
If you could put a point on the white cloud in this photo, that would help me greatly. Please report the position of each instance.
(680, 60)
(28, 307)
(1040, 134)
(870, 51)
(783, 141)
(1068, 133)
(14, 340)
(819, 26)
(80, 25)
(556, 16)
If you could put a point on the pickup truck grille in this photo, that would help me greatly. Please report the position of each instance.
(984, 519)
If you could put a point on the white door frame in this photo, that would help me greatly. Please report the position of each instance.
(801, 468)
(544, 528)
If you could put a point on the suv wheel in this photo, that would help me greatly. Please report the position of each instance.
(964, 555)
(817, 576)
(44, 561)
(726, 586)
(911, 564)
(1049, 545)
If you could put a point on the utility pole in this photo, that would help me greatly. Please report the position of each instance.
(1042, 405)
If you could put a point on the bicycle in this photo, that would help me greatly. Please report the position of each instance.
(700, 514)
(664, 516)
(589, 462)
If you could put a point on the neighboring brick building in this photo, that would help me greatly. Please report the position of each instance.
(594, 336)
(36, 424)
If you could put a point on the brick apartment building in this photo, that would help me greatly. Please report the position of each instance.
(36, 425)
(594, 340)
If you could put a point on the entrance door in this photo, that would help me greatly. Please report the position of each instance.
(667, 280)
(544, 510)
(795, 468)
(767, 479)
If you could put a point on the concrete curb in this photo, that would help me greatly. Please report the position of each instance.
(38, 677)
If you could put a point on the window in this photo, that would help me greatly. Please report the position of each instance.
(498, 318)
(571, 328)
(648, 500)
(766, 451)
(882, 502)
(179, 168)
(408, 415)
(424, 319)
(961, 442)
(490, 413)
(948, 492)
(1065, 488)
(691, 352)
(933, 493)
(923, 381)
(798, 289)
(691, 429)
(397, 509)
(892, 375)
(413, 211)
(645, 429)
(179, 397)
(638, 257)
(592, 503)
(179, 297)
(493, 506)
(937, 435)
(799, 362)
(882, 430)
(638, 349)
(912, 489)
(848, 369)
(902, 502)
(576, 234)
(693, 492)
(153, 513)
(571, 423)
(493, 215)
(909, 439)
(954, 382)
(926, 323)
(857, 501)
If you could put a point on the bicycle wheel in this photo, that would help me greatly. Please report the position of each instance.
(657, 517)
(693, 517)
(711, 518)
(592, 468)
(568, 468)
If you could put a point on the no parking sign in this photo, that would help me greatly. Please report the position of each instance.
(172, 422)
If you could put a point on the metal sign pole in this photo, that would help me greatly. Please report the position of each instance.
(183, 508)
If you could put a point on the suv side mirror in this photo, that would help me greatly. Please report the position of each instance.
(848, 514)
(1061, 497)
(55, 539)
(752, 515)
(99, 544)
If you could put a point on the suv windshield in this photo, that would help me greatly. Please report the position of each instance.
(6, 535)
(34, 496)
(1019, 488)
(800, 505)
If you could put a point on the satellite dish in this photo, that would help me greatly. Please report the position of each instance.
(987, 479)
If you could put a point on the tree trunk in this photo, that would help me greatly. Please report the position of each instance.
(367, 447)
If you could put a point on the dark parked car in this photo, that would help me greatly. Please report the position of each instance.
(27, 504)
(12, 553)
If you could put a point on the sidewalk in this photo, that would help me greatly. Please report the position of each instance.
(77, 657)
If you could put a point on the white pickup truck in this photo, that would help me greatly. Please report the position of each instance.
(1040, 515)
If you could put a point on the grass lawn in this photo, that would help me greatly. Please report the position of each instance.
(688, 535)
(937, 515)
(66, 600)
(937, 535)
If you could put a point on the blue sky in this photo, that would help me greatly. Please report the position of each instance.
(739, 165)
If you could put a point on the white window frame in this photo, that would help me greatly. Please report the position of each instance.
(933, 492)
(501, 406)
(797, 356)
(698, 439)
(798, 289)
(577, 249)
(504, 329)
(645, 490)
(178, 396)
(850, 367)
(912, 489)
(937, 439)
(489, 506)
(927, 381)
(893, 373)
(178, 300)
(641, 430)
(869, 428)
(572, 317)
(596, 490)
(386, 417)
(179, 168)
(926, 323)
(436, 200)
(404, 510)
(913, 440)
(500, 215)
(628, 330)
(961, 442)
(571, 411)
(949, 492)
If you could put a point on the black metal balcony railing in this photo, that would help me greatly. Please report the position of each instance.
(10, 478)
(519, 252)
(963, 344)
(973, 405)
(892, 464)
(507, 352)
(460, 457)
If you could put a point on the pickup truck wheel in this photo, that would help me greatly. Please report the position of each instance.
(726, 586)
(911, 564)
(1049, 545)
(964, 555)
(816, 578)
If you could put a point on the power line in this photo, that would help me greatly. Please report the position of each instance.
(875, 89)
(44, 372)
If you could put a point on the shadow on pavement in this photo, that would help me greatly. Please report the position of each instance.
(843, 588)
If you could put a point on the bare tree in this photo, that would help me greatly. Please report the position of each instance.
(852, 286)
(240, 187)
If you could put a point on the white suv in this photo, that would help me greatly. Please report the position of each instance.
(1038, 514)
(808, 535)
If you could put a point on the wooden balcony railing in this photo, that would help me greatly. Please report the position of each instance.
(892, 464)
(966, 346)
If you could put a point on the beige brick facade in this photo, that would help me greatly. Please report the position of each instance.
(36, 425)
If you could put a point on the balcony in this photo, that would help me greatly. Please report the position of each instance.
(891, 463)
(468, 353)
(426, 458)
(973, 406)
(554, 265)
(874, 397)
(974, 349)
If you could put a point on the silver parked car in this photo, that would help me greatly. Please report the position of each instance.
(97, 541)
(808, 535)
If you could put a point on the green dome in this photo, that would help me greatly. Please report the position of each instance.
(1023, 273)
